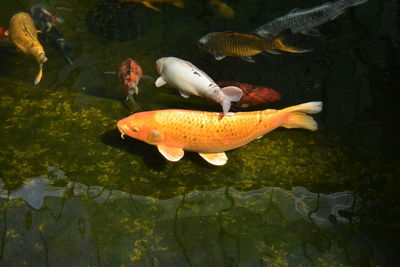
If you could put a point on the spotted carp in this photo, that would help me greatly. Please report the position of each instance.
(209, 133)
(23, 34)
(246, 45)
(305, 20)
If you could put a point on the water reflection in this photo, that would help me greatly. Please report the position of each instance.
(218, 227)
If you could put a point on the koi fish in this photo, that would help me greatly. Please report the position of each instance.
(305, 20)
(209, 133)
(245, 45)
(148, 3)
(3, 33)
(224, 10)
(23, 34)
(253, 94)
(129, 74)
(189, 80)
(47, 23)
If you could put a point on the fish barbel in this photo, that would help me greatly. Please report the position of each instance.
(23, 34)
(245, 45)
(305, 20)
(210, 133)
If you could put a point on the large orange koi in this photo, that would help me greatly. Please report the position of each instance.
(210, 133)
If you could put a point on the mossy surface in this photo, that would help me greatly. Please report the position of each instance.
(73, 193)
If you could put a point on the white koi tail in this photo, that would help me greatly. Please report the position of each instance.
(298, 118)
(227, 95)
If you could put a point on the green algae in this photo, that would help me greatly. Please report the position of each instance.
(76, 133)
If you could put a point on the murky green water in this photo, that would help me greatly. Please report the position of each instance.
(73, 193)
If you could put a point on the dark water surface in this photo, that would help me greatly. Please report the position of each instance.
(73, 193)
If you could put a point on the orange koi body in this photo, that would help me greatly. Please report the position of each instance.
(130, 73)
(253, 94)
(210, 133)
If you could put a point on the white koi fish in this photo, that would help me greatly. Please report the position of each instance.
(189, 80)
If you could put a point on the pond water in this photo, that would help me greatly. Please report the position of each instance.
(73, 193)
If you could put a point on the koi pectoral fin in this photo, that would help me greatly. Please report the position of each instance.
(217, 159)
(171, 153)
(160, 81)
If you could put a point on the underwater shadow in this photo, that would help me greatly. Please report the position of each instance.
(150, 155)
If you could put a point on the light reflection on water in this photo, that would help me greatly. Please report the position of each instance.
(264, 226)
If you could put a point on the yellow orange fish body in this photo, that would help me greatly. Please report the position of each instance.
(23, 34)
(245, 45)
(210, 133)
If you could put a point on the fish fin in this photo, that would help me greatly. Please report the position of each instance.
(131, 100)
(171, 153)
(338, 14)
(113, 72)
(263, 33)
(183, 94)
(218, 56)
(294, 10)
(150, 5)
(39, 76)
(312, 32)
(273, 51)
(6, 33)
(260, 137)
(217, 159)
(248, 59)
(297, 115)
(178, 3)
(356, 2)
(232, 93)
(160, 81)
(227, 95)
(284, 42)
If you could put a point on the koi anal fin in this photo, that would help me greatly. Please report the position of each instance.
(217, 159)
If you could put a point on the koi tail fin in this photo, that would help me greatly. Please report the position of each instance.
(298, 118)
(178, 3)
(227, 95)
(285, 42)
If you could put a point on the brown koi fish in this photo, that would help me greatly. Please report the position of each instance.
(23, 34)
(245, 45)
(148, 3)
(210, 133)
